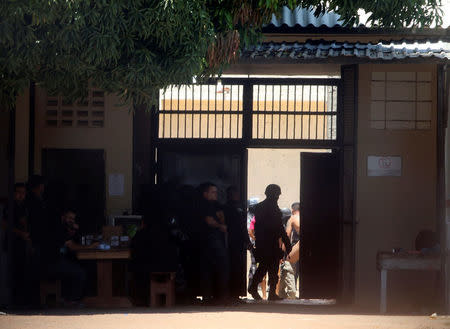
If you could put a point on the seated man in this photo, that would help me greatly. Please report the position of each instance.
(59, 256)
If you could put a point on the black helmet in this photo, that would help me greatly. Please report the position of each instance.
(272, 190)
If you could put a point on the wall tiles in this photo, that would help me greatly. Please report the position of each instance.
(401, 100)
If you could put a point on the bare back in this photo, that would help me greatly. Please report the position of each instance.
(293, 224)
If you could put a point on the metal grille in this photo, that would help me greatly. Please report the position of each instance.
(294, 112)
(201, 111)
(90, 112)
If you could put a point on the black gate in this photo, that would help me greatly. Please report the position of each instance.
(223, 118)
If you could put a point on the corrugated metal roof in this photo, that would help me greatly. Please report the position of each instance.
(301, 19)
(305, 17)
(325, 49)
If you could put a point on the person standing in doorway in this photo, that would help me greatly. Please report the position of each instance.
(268, 231)
(214, 270)
(293, 232)
(238, 242)
(254, 264)
(288, 271)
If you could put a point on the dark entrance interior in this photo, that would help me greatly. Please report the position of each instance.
(76, 179)
(192, 167)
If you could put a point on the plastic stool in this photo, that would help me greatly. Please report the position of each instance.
(162, 284)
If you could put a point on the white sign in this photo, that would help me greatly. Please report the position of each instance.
(116, 183)
(384, 166)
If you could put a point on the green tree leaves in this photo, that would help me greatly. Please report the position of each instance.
(134, 48)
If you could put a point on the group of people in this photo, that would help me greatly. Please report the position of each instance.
(192, 234)
(212, 241)
(225, 239)
(43, 244)
(203, 241)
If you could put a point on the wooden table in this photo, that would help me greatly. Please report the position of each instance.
(104, 259)
(403, 261)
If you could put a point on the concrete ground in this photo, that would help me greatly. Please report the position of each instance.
(259, 315)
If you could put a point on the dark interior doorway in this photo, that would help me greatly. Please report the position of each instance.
(319, 226)
(194, 167)
(76, 179)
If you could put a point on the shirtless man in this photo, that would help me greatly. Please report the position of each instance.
(287, 287)
(293, 224)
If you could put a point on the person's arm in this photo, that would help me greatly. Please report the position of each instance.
(74, 246)
(220, 215)
(289, 227)
(251, 232)
(243, 231)
(285, 239)
(22, 234)
(211, 222)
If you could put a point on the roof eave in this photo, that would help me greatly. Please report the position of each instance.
(297, 29)
(342, 60)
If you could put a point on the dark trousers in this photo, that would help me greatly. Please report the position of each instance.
(267, 265)
(215, 269)
(72, 276)
(236, 258)
(26, 283)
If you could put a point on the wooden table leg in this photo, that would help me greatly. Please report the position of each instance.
(383, 292)
(104, 278)
(104, 296)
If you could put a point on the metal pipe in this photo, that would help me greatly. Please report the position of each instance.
(11, 182)
(31, 128)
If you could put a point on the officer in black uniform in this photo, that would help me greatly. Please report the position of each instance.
(268, 231)
(238, 242)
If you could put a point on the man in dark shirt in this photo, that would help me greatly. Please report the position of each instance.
(268, 232)
(215, 258)
(21, 227)
(38, 215)
(238, 242)
(22, 264)
(59, 257)
(153, 249)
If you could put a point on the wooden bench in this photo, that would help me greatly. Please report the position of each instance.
(50, 287)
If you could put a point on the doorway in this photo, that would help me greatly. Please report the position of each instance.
(311, 177)
(264, 114)
(76, 179)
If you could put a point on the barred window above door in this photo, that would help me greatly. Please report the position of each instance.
(294, 112)
(201, 111)
(275, 109)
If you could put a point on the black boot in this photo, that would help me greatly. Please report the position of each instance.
(253, 290)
